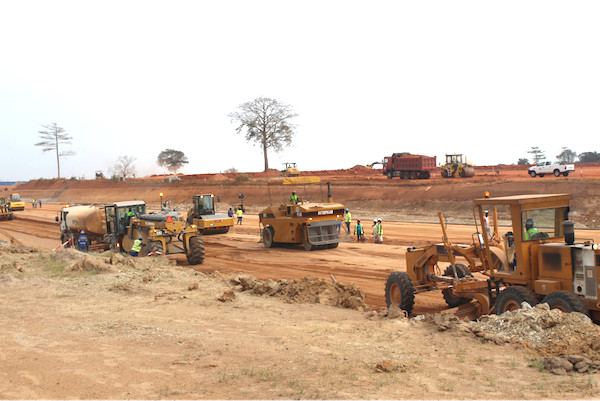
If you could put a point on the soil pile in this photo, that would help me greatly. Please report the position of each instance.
(307, 290)
(71, 260)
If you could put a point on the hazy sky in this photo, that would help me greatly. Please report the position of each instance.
(487, 79)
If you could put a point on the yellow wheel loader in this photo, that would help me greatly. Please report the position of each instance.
(203, 216)
(455, 167)
(315, 225)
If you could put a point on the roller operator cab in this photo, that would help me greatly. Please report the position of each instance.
(315, 225)
(204, 217)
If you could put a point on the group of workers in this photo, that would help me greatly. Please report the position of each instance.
(238, 212)
(359, 230)
(34, 203)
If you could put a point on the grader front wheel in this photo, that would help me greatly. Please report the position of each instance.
(196, 252)
(400, 292)
(511, 299)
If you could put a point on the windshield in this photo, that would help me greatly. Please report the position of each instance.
(543, 223)
(16, 197)
(205, 204)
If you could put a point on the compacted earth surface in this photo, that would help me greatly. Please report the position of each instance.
(276, 323)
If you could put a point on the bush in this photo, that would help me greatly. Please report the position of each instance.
(242, 178)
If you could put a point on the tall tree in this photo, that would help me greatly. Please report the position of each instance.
(536, 154)
(522, 160)
(566, 155)
(172, 159)
(124, 166)
(53, 136)
(267, 122)
(589, 157)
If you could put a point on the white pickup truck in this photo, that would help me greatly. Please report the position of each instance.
(551, 168)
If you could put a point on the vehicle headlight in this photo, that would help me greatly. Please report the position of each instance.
(159, 232)
(595, 246)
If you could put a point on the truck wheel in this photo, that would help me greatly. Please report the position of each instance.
(390, 175)
(566, 301)
(413, 175)
(425, 175)
(541, 175)
(156, 247)
(532, 174)
(556, 173)
(511, 299)
(566, 173)
(196, 254)
(400, 292)
(461, 271)
(268, 237)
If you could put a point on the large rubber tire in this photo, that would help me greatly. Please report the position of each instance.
(390, 175)
(196, 254)
(532, 174)
(541, 175)
(461, 271)
(566, 173)
(425, 175)
(511, 299)
(566, 301)
(444, 173)
(333, 246)
(556, 173)
(268, 237)
(64, 238)
(413, 175)
(399, 291)
(155, 246)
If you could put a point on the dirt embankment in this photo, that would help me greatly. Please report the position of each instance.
(395, 200)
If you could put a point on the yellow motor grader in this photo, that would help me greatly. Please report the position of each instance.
(315, 225)
(537, 261)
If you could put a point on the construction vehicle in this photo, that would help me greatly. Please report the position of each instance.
(538, 261)
(203, 216)
(16, 203)
(99, 175)
(315, 225)
(456, 167)
(116, 226)
(5, 211)
(290, 170)
(407, 166)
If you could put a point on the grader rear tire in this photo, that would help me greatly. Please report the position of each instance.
(566, 302)
(196, 254)
(400, 292)
(307, 245)
(461, 271)
(511, 299)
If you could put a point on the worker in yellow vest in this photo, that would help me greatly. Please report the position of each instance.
(137, 246)
(347, 220)
(379, 231)
(239, 214)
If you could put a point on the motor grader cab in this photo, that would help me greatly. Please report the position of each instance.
(538, 260)
(315, 225)
(456, 167)
(203, 216)
(16, 203)
(162, 232)
(290, 170)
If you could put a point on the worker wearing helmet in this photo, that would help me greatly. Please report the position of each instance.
(82, 242)
(379, 231)
(293, 197)
(137, 246)
(347, 220)
(530, 230)
(359, 232)
(374, 228)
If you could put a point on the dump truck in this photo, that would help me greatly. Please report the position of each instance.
(456, 167)
(203, 216)
(407, 166)
(538, 260)
(315, 225)
(16, 203)
(116, 226)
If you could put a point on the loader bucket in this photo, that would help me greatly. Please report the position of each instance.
(325, 232)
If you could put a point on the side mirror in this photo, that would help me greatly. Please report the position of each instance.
(56, 218)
